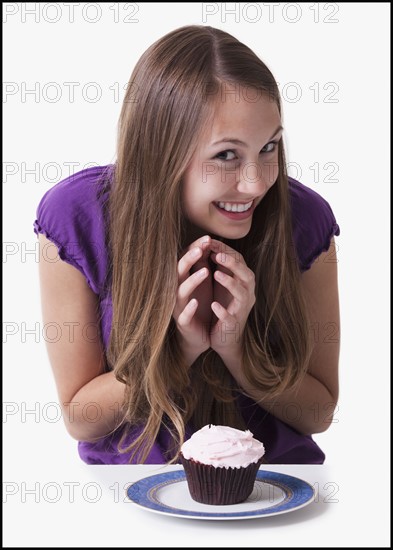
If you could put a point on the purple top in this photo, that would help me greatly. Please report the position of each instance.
(72, 215)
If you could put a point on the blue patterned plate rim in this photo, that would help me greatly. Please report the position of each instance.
(297, 494)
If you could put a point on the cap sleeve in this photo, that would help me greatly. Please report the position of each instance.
(71, 215)
(313, 222)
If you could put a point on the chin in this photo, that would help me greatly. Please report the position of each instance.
(234, 234)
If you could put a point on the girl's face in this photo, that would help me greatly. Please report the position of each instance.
(234, 165)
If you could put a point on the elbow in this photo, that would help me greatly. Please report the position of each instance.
(81, 431)
(79, 427)
(322, 417)
(76, 429)
(321, 427)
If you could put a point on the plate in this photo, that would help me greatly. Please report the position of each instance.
(273, 494)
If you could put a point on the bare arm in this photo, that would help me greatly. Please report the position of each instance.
(90, 398)
(310, 408)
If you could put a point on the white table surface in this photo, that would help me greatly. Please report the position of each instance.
(90, 509)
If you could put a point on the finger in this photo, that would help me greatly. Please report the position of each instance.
(221, 267)
(188, 313)
(190, 284)
(218, 246)
(228, 321)
(233, 286)
(204, 243)
(187, 261)
(194, 260)
(235, 264)
(227, 252)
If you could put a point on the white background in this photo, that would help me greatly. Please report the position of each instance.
(54, 132)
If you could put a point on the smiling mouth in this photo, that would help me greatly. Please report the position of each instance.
(235, 207)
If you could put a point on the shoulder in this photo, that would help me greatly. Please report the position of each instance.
(313, 223)
(72, 215)
(75, 194)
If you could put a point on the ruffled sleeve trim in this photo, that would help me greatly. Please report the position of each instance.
(335, 231)
(62, 250)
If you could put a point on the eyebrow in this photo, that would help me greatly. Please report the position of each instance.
(239, 142)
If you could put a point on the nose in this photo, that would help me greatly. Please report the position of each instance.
(255, 178)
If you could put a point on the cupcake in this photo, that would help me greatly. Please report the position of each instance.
(221, 464)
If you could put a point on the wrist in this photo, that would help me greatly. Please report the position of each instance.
(232, 356)
(191, 354)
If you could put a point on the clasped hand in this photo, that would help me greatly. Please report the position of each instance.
(212, 308)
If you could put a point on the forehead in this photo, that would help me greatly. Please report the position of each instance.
(242, 114)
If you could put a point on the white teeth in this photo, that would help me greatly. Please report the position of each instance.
(234, 207)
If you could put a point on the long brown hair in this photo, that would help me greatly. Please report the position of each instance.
(170, 99)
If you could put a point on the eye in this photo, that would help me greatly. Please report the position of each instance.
(227, 152)
(269, 147)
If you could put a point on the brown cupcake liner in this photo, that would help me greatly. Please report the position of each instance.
(219, 486)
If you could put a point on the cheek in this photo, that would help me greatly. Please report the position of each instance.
(198, 203)
(208, 192)
(270, 173)
(190, 188)
(200, 185)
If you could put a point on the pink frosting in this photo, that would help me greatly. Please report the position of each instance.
(223, 447)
